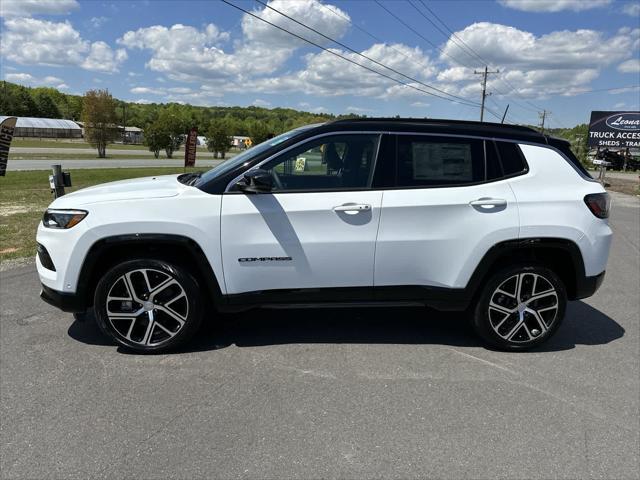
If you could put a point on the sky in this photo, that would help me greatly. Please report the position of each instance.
(547, 53)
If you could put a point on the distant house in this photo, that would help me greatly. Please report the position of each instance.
(46, 128)
(132, 134)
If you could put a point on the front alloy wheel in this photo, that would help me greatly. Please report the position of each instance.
(148, 305)
(520, 307)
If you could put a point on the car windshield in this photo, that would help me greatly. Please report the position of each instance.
(248, 155)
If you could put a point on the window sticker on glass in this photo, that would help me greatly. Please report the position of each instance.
(441, 161)
(301, 164)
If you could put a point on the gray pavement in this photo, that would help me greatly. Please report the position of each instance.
(202, 151)
(354, 393)
(17, 165)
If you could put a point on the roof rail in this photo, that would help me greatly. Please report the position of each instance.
(437, 121)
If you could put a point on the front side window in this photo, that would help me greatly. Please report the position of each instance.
(335, 162)
(436, 161)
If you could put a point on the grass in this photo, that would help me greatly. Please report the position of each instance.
(25, 195)
(65, 143)
(83, 156)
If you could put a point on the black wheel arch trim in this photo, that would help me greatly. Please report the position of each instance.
(206, 272)
(528, 247)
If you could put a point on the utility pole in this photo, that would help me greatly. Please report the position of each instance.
(484, 87)
(543, 116)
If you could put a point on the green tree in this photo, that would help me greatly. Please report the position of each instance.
(99, 117)
(219, 138)
(175, 125)
(47, 108)
(259, 132)
(156, 139)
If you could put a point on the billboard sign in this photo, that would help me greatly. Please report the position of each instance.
(7, 128)
(190, 148)
(614, 130)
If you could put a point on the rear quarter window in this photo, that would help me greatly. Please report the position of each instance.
(511, 158)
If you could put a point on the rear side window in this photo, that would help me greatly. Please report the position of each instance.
(434, 161)
(511, 158)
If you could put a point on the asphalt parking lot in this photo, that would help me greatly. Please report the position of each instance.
(353, 393)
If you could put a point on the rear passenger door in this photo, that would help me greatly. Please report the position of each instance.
(447, 205)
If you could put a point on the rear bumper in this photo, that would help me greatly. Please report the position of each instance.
(67, 302)
(587, 286)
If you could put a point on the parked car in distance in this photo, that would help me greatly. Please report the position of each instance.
(496, 220)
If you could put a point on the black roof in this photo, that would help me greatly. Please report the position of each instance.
(440, 125)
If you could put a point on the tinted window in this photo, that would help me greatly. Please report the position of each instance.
(511, 158)
(327, 163)
(426, 160)
(494, 170)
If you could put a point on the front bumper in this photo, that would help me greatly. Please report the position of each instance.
(67, 302)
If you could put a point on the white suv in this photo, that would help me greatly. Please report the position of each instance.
(494, 219)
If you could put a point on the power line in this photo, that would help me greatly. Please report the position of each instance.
(375, 37)
(343, 57)
(361, 54)
(472, 52)
(468, 51)
(419, 34)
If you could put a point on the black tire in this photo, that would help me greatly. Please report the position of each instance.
(153, 324)
(547, 303)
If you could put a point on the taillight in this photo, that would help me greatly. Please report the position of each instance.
(599, 204)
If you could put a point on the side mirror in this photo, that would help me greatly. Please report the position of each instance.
(256, 181)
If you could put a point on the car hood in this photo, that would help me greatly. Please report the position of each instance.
(137, 188)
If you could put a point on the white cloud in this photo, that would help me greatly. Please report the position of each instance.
(102, 58)
(630, 66)
(309, 12)
(183, 52)
(620, 105)
(30, 80)
(258, 102)
(148, 90)
(553, 5)
(632, 8)
(30, 41)
(23, 8)
(358, 110)
(326, 74)
(537, 66)
(420, 104)
(97, 22)
(186, 53)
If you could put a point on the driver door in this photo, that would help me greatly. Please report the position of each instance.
(315, 230)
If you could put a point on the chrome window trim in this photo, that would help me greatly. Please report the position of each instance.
(426, 134)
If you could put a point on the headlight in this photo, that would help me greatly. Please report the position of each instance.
(62, 218)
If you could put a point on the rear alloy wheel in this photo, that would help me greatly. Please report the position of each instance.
(148, 305)
(520, 307)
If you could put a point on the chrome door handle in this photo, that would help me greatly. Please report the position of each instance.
(352, 207)
(488, 202)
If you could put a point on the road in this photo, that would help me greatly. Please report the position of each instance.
(354, 393)
(202, 151)
(15, 165)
